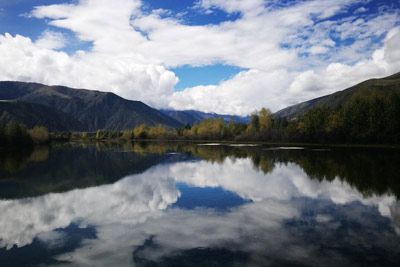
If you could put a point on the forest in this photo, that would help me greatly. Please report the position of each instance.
(369, 118)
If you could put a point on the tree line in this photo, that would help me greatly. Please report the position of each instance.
(17, 134)
(376, 173)
(371, 117)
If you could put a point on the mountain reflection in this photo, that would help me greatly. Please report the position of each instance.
(152, 204)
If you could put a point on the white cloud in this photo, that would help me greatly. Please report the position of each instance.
(250, 7)
(318, 49)
(248, 43)
(361, 10)
(248, 91)
(131, 51)
(24, 60)
(51, 40)
(253, 89)
(93, 20)
(337, 76)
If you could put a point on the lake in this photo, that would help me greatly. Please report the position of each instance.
(177, 204)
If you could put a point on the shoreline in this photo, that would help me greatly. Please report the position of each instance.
(228, 142)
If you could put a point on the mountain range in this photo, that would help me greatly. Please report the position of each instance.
(77, 109)
(190, 117)
(61, 108)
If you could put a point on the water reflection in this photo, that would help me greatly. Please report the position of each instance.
(180, 204)
(69, 167)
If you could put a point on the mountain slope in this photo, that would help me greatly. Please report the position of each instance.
(377, 86)
(192, 116)
(34, 114)
(93, 109)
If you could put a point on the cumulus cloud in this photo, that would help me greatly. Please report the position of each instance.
(254, 89)
(51, 40)
(110, 65)
(93, 20)
(248, 91)
(24, 60)
(337, 76)
(278, 45)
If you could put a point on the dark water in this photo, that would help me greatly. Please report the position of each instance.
(199, 205)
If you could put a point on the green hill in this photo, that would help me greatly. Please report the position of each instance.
(380, 87)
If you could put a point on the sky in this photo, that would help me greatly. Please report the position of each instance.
(230, 57)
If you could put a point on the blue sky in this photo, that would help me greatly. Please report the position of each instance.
(14, 20)
(188, 12)
(212, 55)
(203, 75)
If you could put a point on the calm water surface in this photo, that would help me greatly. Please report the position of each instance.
(151, 204)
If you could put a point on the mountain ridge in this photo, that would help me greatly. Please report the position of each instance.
(93, 109)
(62, 108)
(190, 117)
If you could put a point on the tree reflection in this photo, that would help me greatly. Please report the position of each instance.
(66, 167)
(371, 171)
(298, 213)
(14, 160)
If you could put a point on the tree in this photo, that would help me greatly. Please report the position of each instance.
(334, 127)
(392, 118)
(2, 135)
(16, 134)
(157, 132)
(141, 131)
(39, 134)
(254, 126)
(99, 135)
(84, 135)
(314, 122)
(265, 119)
(127, 135)
(212, 128)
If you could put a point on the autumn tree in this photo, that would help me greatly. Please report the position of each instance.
(141, 131)
(39, 134)
(265, 119)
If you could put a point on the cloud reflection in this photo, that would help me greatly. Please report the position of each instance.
(135, 209)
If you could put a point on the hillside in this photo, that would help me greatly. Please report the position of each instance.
(190, 117)
(35, 114)
(377, 86)
(79, 108)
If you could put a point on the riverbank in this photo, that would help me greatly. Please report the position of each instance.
(237, 143)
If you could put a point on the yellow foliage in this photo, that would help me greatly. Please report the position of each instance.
(39, 134)
(157, 132)
(265, 118)
(140, 131)
(127, 134)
